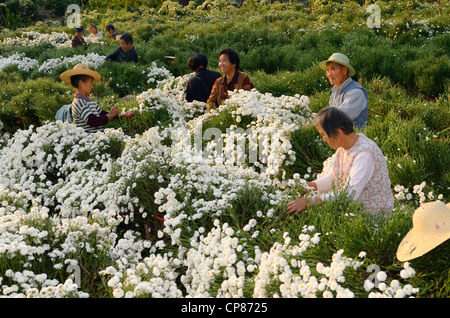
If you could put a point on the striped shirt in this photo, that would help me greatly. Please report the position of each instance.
(87, 114)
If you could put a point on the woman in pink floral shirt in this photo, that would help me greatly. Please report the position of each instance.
(358, 167)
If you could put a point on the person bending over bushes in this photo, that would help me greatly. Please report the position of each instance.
(229, 64)
(78, 39)
(359, 167)
(95, 34)
(111, 30)
(85, 112)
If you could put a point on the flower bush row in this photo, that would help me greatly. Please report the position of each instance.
(154, 73)
(34, 38)
(148, 211)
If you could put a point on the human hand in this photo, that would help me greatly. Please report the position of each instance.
(129, 114)
(296, 206)
(312, 185)
(113, 112)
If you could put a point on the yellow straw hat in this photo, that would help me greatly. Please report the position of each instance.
(431, 227)
(80, 69)
(340, 59)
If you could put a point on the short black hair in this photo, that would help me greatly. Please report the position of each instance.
(233, 57)
(127, 38)
(110, 27)
(196, 60)
(75, 80)
(330, 119)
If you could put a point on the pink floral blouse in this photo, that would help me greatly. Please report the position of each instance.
(372, 187)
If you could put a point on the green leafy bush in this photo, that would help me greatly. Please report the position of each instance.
(432, 75)
(413, 153)
(32, 102)
(13, 13)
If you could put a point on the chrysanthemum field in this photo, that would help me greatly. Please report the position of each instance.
(180, 203)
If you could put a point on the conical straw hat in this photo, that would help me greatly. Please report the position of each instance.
(431, 227)
(80, 69)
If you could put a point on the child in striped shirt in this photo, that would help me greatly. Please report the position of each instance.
(85, 112)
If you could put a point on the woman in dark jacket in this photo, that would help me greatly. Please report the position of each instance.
(199, 87)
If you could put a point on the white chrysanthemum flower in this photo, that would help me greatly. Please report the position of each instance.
(118, 293)
(368, 285)
(381, 276)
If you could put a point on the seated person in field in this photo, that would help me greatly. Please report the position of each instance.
(359, 167)
(78, 39)
(229, 64)
(94, 32)
(85, 112)
(346, 94)
(199, 87)
(111, 30)
(126, 52)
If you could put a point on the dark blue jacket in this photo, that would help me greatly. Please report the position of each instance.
(199, 87)
(121, 56)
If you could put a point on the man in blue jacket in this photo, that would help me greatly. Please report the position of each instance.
(346, 94)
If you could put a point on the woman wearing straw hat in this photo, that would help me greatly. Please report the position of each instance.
(359, 167)
(431, 227)
(85, 112)
(346, 94)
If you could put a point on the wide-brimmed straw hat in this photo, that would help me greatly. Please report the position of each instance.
(431, 227)
(340, 59)
(80, 69)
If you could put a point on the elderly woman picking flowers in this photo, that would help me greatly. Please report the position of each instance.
(85, 112)
(359, 166)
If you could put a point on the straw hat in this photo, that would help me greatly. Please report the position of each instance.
(431, 227)
(80, 69)
(340, 59)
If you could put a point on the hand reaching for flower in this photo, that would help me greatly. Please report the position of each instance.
(129, 114)
(298, 205)
(113, 112)
(312, 185)
(303, 203)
